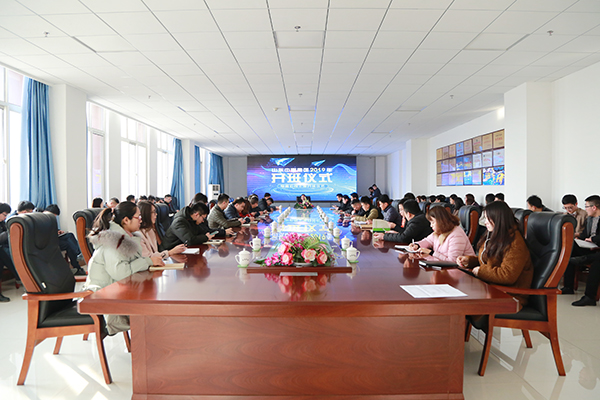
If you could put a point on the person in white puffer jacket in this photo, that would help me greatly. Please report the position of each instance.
(117, 254)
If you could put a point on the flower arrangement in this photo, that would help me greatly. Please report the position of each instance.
(303, 204)
(300, 248)
(300, 287)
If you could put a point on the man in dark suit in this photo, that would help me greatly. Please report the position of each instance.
(417, 226)
(376, 191)
(390, 214)
(584, 256)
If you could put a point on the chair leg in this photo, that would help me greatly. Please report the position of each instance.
(468, 331)
(29, 347)
(86, 336)
(127, 341)
(489, 334)
(527, 338)
(556, 352)
(57, 346)
(101, 352)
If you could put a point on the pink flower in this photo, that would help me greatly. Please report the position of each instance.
(287, 258)
(309, 255)
(283, 248)
(322, 280)
(322, 258)
(310, 285)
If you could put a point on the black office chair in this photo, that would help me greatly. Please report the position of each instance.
(448, 206)
(469, 220)
(550, 241)
(163, 221)
(49, 285)
(84, 221)
(522, 215)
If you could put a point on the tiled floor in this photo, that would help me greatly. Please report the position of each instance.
(513, 372)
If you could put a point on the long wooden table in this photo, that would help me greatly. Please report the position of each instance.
(211, 332)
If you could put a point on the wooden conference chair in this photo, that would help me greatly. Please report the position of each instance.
(84, 220)
(49, 285)
(522, 215)
(469, 220)
(550, 240)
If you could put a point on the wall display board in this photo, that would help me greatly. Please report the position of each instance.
(473, 162)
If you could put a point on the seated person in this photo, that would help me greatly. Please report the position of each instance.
(303, 203)
(151, 240)
(5, 258)
(457, 203)
(390, 214)
(255, 210)
(353, 196)
(504, 258)
(168, 200)
(499, 196)
(217, 218)
(440, 198)
(117, 254)
(24, 207)
(376, 191)
(340, 197)
(448, 240)
(112, 203)
(371, 191)
(68, 243)
(489, 199)
(97, 202)
(470, 200)
(190, 228)
(569, 202)
(534, 203)
(235, 209)
(417, 226)
(266, 204)
(199, 198)
(582, 256)
(370, 212)
(345, 206)
(131, 198)
(357, 209)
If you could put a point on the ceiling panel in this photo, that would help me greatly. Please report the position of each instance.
(132, 23)
(354, 19)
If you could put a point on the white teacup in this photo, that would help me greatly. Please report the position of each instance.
(352, 254)
(267, 232)
(274, 226)
(345, 243)
(243, 258)
(336, 232)
(330, 225)
(256, 243)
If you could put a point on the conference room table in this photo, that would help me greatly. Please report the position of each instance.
(217, 331)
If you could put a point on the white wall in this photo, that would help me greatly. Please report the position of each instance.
(576, 133)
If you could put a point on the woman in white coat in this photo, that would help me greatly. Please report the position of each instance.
(117, 253)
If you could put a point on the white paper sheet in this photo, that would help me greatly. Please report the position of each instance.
(298, 274)
(432, 291)
(585, 245)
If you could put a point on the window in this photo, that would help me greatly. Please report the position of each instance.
(11, 97)
(133, 158)
(96, 121)
(164, 163)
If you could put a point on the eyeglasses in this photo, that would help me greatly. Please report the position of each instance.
(590, 206)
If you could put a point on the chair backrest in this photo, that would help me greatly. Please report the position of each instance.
(448, 206)
(522, 215)
(426, 207)
(84, 220)
(550, 241)
(395, 204)
(38, 259)
(163, 221)
(469, 220)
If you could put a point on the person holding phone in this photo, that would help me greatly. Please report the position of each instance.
(117, 254)
(503, 258)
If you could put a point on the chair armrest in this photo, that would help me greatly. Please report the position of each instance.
(513, 290)
(56, 296)
(80, 278)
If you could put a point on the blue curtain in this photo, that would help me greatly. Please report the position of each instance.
(37, 172)
(197, 169)
(177, 189)
(216, 171)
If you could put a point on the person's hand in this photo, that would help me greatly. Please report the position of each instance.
(392, 225)
(414, 247)
(588, 239)
(242, 219)
(229, 231)
(378, 236)
(60, 231)
(476, 271)
(157, 260)
(210, 235)
(177, 250)
(462, 261)
(378, 244)
(424, 251)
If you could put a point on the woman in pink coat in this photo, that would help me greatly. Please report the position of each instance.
(448, 240)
